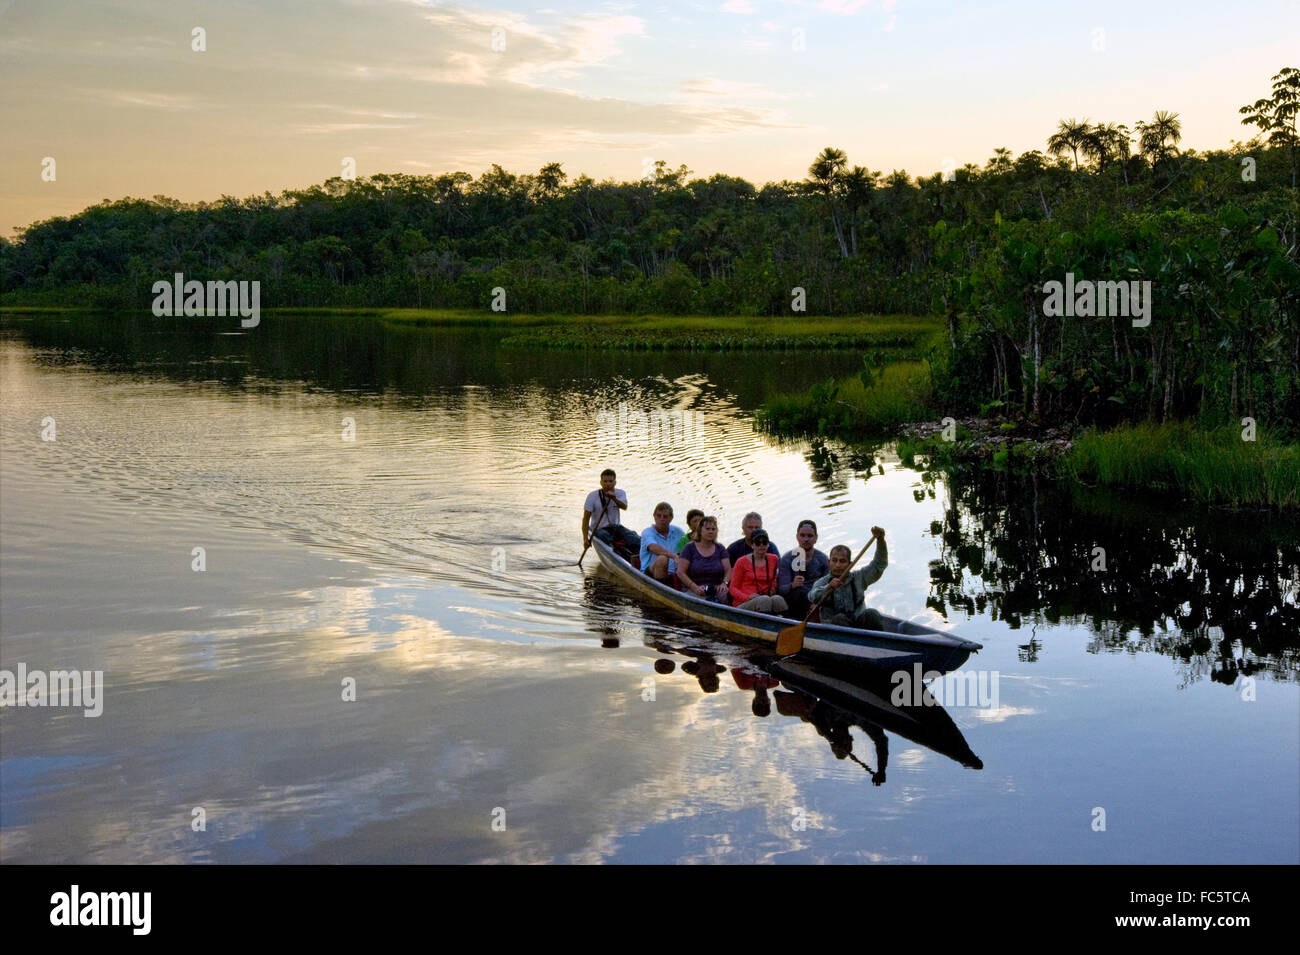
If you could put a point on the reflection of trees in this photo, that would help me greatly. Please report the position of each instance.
(833, 466)
(355, 354)
(1203, 583)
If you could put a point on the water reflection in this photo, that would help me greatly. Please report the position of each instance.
(365, 357)
(1211, 587)
(433, 560)
(831, 699)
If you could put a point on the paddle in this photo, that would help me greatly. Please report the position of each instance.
(598, 520)
(790, 640)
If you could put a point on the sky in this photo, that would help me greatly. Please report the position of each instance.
(283, 92)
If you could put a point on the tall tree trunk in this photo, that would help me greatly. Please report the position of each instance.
(839, 234)
(1169, 385)
(998, 389)
(1153, 386)
(1250, 389)
(1035, 345)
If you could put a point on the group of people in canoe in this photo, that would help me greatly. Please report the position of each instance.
(751, 573)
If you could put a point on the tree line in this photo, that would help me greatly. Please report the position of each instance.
(1215, 232)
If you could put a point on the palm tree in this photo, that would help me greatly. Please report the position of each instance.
(1000, 161)
(1070, 135)
(826, 173)
(858, 184)
(1158, 139)
(898, 179)
(1107, 142)
(549, 180)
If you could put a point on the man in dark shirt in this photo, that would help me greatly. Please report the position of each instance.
(800, 568)
(742, 547)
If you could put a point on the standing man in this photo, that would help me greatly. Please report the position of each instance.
(659, 544)
(600, 516)
(744, 547)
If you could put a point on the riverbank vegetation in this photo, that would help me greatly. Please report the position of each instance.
(1211, 355)
(1207, 466)
(1193, 313)
(888, 337)
(878, 401)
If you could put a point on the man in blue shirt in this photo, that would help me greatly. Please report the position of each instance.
(659, 544)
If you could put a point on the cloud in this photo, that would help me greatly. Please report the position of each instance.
(738, 6)
(711, 86)
(525, 53)
(847, 7)
(300, 83)
(319, 128)
(1003, 713)
(145, 98)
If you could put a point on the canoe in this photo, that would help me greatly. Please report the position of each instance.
(904, 644)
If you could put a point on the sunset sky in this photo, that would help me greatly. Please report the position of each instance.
(287, 88)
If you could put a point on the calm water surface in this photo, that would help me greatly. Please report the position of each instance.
(431, 560)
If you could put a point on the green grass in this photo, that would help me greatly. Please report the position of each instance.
(43, 309)
(853, 408)
(888, 337)
(1207, 466)
(894, 336)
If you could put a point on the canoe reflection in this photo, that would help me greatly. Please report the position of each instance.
(832, 699)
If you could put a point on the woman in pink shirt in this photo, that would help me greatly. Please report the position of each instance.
(754, 579)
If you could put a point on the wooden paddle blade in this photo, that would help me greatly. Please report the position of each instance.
(790, 640)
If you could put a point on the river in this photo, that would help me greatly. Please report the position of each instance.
(328, 571)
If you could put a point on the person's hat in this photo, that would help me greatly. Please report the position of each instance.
(759, 535)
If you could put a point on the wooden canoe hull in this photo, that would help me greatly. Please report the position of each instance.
(910, 643)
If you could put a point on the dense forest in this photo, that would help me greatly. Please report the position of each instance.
(1215, 233)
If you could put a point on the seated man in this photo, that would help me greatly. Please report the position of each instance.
(799, 568)
(751, 522)
(754, 578)
(604, 505)
(844, 607)
(659, 544)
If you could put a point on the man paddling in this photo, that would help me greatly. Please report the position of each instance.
(600, 516)
(845, 605)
